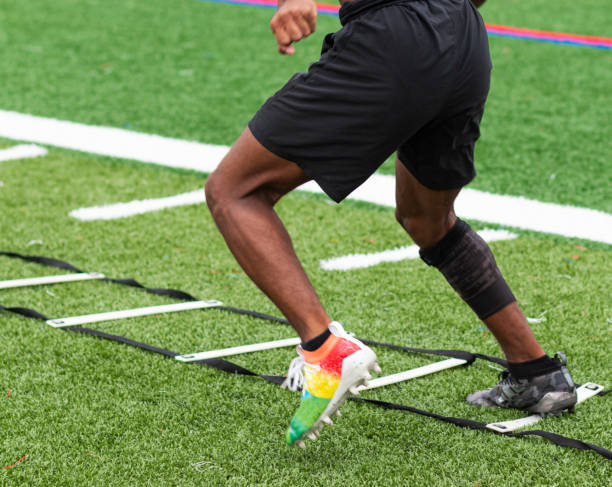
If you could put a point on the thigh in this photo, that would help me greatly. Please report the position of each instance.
(381, 78)
(249, 167)
(441, 154)
(414, 200)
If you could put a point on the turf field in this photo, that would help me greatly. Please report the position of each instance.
(85, 411)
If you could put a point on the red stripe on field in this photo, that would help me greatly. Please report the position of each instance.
(14, 464)
(493, 28)
(549, 35)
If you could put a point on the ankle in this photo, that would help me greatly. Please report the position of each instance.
(533, 368)
(319, 347)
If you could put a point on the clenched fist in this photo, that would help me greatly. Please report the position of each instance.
(294, 20)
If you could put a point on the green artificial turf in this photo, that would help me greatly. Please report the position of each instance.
(85, 411)
(199, 70)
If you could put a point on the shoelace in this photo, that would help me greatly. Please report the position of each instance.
(505, 377)
(295, 375)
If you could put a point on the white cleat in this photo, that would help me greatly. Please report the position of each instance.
(327, 421)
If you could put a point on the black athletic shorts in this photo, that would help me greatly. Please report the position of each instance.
(405, 75)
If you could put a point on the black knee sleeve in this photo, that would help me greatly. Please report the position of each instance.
(467, 263)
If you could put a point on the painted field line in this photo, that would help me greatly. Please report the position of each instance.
(515, 211)
(22, 152)
(584, 392)
(497, 30)
(137, 207)
(111, 141)
(413, 373)
(225, 352)
(131, 313)
(38, 281)
(359, 261)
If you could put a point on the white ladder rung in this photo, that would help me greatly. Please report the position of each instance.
(37, 281)
(413, 373)
(130, 313)
(224, 352)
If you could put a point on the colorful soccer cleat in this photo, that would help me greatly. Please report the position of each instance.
(327, 377)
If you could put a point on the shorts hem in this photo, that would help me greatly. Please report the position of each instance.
(334, 195)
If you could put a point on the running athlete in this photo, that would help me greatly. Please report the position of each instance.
(404, 76)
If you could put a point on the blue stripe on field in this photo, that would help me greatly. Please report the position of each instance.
(550, 41)
(510, 36)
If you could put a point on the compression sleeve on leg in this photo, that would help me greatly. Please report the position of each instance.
(467, 263)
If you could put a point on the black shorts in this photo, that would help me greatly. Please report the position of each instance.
(405, 75)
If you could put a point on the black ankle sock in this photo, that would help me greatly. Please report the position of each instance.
(316, 342)
(533, 368)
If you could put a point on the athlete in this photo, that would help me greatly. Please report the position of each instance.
(405, 76)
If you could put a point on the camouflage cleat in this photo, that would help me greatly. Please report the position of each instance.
(549, 393)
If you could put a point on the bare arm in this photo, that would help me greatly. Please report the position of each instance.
(294, 20)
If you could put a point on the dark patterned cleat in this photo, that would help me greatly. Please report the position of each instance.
(549, 393)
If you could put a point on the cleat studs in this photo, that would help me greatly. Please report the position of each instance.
(301, 444)
(377, 368)
(312, 436)
(338, 413)
(354, 390)
(328, 421)
(367, 377)
(366, 384)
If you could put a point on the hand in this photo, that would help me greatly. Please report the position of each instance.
(294, 20)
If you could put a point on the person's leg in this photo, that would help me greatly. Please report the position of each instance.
(535, 382)
(427, 216)
(241, 194)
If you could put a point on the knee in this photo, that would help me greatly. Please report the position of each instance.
(223, 194)
(213, 193)
(425, 229)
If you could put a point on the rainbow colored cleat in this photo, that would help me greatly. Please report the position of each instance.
(326, 378)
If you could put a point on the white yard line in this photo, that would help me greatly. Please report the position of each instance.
(514, 211)
(22, 152)
(111, 141)
(136, 207)
(359, 261)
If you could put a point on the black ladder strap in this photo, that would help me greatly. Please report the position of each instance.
(478, 425)
(230, 367)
